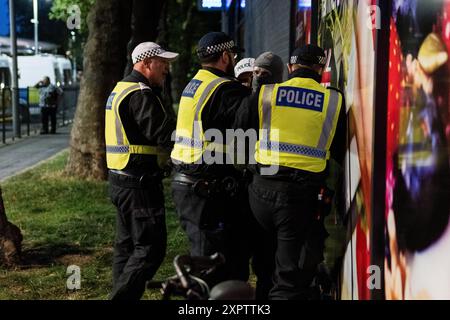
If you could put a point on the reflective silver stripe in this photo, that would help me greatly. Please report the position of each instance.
(202, 100)
(136, 149)
(119, 135)
(117, 149)
(192, 143)
(267, 108)
(293, 148)
(333, 102)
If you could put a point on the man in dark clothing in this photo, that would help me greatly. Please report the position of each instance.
(138, 129)
(207, 193)
(301, 124)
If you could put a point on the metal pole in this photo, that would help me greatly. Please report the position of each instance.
(3, 115)
(28, 111)
(74, 58)
(14, 84)
(36, 25)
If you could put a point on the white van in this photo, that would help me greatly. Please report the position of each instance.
(32, 69)
(65, 70)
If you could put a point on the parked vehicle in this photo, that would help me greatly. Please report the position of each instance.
(65, 70)
(33, 68)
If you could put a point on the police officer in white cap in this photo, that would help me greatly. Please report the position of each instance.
(243, 71)
(138, 130)
(304, 124)
(205, 192)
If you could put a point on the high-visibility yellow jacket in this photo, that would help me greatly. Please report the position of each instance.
(118, 148)
(190, 142)
(297, 122)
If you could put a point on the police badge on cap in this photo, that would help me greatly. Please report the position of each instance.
(150, 49)
(215, 42)
(308, 55)
(245, 65)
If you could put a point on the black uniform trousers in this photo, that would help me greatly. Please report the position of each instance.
(224, 223)
(210, 224)
(288, 211)
(261, 244)
(141, 236)
(48, 112)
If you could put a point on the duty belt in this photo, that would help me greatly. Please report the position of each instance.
(207, 187)
(128, 180)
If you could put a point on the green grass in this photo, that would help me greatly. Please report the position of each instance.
(67, 221)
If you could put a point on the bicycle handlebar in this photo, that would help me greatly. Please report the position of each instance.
(186, 264)
(185, 283)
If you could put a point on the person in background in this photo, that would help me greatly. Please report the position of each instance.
(48, 102)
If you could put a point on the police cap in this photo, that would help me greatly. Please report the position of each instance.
(308, 55)
(215, 42)
(150, 49)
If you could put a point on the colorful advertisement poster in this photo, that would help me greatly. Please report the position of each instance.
(417, 260)
(349, 41)
(303, 23)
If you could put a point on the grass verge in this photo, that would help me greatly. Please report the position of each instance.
(66, 221)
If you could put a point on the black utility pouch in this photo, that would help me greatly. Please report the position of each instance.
(203, 188)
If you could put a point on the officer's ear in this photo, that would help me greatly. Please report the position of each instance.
(225, 56)
(148, 63)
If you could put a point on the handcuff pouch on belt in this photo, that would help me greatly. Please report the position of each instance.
(207, 188)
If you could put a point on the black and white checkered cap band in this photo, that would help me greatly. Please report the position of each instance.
(147, 54)
(321, 60)
(219, 47)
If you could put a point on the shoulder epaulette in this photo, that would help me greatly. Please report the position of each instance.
(144, 86)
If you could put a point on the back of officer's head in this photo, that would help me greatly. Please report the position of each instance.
(217, 49)
(308, 56)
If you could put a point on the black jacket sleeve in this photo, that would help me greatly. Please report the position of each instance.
(221, 110)
(152, 119)
(247, 115)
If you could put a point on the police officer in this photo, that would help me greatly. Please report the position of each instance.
(301, 124)
(243, 71)
(138, 130)
(206, 184)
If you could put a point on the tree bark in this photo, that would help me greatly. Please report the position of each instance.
(10, 239)
(144, 25)
(104, 62)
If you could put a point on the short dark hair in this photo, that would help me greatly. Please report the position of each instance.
(211, 58)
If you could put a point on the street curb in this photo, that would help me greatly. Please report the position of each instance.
(33, 133)
(35, 165)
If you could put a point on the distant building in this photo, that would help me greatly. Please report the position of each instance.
(265, 25)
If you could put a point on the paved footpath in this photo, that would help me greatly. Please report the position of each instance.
(28, 152)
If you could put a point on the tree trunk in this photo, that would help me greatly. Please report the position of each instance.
(10, 239)
(163, 40)
(104, 62)
(183, 65)
(144, 25)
